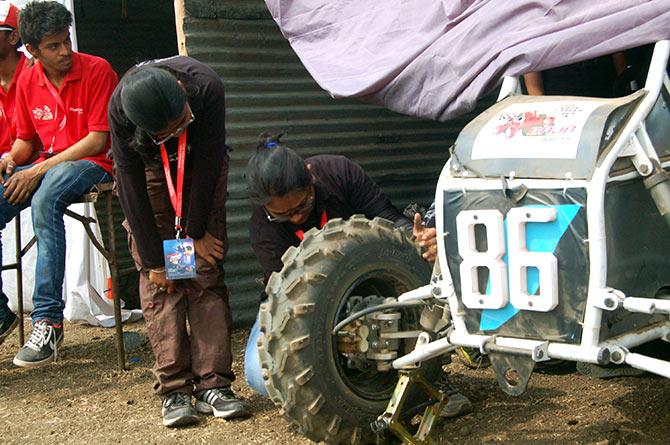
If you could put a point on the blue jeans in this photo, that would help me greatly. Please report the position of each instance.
(252, 365)
(60, 187)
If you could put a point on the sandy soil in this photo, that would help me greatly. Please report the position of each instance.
(84, 399)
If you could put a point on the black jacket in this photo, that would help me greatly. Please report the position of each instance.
(342, 188)
(207, 154)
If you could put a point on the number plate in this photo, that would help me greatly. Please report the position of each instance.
(507, 260)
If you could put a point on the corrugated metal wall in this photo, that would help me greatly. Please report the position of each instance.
(269, 89)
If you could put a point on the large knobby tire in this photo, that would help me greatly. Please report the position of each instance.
(303, 371)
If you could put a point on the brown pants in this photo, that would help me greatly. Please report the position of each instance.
(203, 359)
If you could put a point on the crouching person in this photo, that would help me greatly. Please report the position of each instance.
(292, 195)
(168, 141)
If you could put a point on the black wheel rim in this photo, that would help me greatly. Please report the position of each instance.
(372, 384)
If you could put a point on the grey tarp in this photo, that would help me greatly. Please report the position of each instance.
(435, 58)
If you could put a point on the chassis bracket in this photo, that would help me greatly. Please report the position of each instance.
(512, 372)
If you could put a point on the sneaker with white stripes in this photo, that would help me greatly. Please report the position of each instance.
(42, 346)
(222, 402)
(178, 411)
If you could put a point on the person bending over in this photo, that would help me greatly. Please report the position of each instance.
(169, 146)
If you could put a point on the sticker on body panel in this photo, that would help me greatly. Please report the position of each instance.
(542, 130)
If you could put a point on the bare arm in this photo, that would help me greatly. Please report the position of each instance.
(534, 83)
(92, 144)
(22, 152)
(19, 186)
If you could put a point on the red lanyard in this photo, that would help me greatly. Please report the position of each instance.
(59, 102)
(4, 114)
(324, 219)
(176, 197)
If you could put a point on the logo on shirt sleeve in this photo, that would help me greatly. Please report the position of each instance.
(43, 114)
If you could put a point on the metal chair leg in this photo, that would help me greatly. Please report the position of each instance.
(19, 278)
(109, 254)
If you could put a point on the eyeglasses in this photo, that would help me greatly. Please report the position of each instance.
(178, 131)
(306, 204)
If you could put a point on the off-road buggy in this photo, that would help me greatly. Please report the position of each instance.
(553, 243)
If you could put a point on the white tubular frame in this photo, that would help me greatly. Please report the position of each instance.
(644, 335)
(591, 349)
(595, 206)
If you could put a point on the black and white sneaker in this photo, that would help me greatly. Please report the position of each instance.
(42, 346)
(7, 325)
(178, 410)
(222, 402)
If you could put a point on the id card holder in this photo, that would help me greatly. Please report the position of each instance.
(179, 259)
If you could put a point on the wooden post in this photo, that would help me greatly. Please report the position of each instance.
(114, 271)
(179, 15)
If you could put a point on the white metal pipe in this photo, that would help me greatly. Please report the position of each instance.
(650, 364)
(634, 174)
(642, 305)
(659, 60)
(646, 142)
(575, 353)
(555, 350)
(520, 343)
(472, 183)
(596, 196)
(645, 335)
(655, 81)
(447, 284)
(468, 340)
(647, 305)
(425, 352)
(420, 293)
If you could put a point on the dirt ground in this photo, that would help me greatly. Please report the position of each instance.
(84, 399)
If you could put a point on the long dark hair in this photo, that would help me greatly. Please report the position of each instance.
(275, 170)
(151, 98)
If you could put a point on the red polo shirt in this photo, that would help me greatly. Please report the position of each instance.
(63, 117)
(7, 103)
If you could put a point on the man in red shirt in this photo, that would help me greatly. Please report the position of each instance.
(63, 100)
(12, 64)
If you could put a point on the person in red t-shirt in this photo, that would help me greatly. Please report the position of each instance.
(63, 100)
(12, 64)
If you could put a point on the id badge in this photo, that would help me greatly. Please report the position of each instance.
(179, 259)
